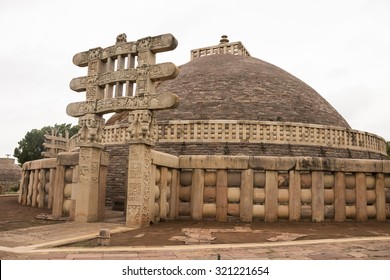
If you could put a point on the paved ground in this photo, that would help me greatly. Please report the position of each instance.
(32, 238)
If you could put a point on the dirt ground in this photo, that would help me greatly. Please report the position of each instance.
(14, 215)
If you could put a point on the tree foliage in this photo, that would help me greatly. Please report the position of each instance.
(31, 146)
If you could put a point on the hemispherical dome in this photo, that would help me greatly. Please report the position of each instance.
(233, 104)
(233, 87)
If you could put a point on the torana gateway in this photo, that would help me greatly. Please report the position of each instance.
(224, 137)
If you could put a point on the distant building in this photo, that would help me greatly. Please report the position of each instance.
(10, 174)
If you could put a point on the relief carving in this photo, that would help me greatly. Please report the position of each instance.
(141, 126)
(144, 44)
(93, 54)
(121, 38)
(91, 129)
(134, 213)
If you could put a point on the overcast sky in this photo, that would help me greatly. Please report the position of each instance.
(341, 48)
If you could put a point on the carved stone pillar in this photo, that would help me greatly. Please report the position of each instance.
(88, 195)
(141, 135)
(139, 199)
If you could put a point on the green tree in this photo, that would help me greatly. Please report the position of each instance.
(31, 146)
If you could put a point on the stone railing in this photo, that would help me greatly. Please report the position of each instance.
(165, 171)
(235, 48)
(52, 183)
(240, 188)
(48, 183)
(224, 131)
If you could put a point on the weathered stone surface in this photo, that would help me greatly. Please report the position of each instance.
(272, 163)
(160, 43)
(88, 199)
(163, 159)
(246, 199)
(317, 194)
(68, 158)
(214, 162)
(197, 195)
(104, 106)
(42, 163)
(139, 193)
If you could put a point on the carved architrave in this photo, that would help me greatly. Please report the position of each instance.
(109, 105)
(161, 43)
(156, 72)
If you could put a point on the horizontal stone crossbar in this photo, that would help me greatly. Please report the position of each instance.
(157, 72)
(158, 44)
(108, 105)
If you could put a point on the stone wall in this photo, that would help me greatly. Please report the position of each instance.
(116, 173)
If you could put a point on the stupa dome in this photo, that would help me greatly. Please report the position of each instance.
(234, 104)
(234, 87)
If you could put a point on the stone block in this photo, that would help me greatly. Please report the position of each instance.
(386, 166)
(258, 211)
(272, 163)
(361, 197)
(317, 194)
(271, 196)
(362, 165)
(209, 210)
(185, 194)
(246, 196)
(68, 158)
(380, 197)
(221, 195)
(26, 166)
(214, 162)
(315, 163)
(197, 190)
(163, 159)
(48, 163)
(104, 158)
(234, 178)
(185, 178)
(174, 199)
(294, 197)
(104, 237)
(35, 164)
(258, 195)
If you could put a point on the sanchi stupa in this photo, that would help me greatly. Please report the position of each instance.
(224, 137)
